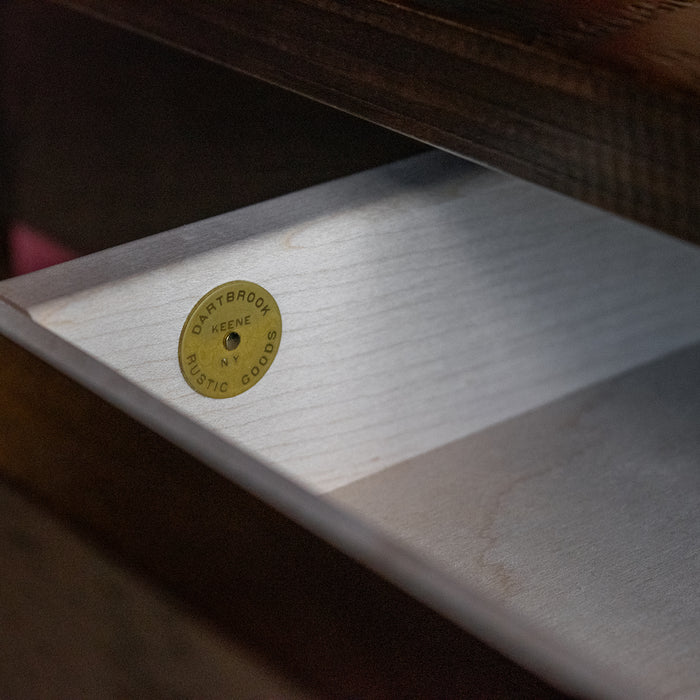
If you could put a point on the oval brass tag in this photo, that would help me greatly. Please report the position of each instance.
(230, 339)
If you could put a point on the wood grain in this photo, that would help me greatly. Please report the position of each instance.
(469, 298)
(581, 516)
(110, 137)
(227, 548)
(420, 302)
(597, 100)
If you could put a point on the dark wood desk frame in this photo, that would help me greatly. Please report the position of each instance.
(599, 101)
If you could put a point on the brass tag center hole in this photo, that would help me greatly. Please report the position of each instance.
(232, 341)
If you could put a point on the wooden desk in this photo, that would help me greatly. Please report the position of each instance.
(271, 565)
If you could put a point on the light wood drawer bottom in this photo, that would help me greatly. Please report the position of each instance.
(504, 381)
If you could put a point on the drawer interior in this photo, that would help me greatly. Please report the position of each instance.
(504, 380)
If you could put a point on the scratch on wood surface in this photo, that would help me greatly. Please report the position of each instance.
(505, 577)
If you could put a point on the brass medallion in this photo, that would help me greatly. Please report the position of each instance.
(230, 339)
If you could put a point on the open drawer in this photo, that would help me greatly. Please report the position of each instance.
(485, 392)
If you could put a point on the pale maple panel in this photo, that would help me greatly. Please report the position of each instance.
(580, 516)
(421, 302)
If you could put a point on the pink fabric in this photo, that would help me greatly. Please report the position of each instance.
(31, 250)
